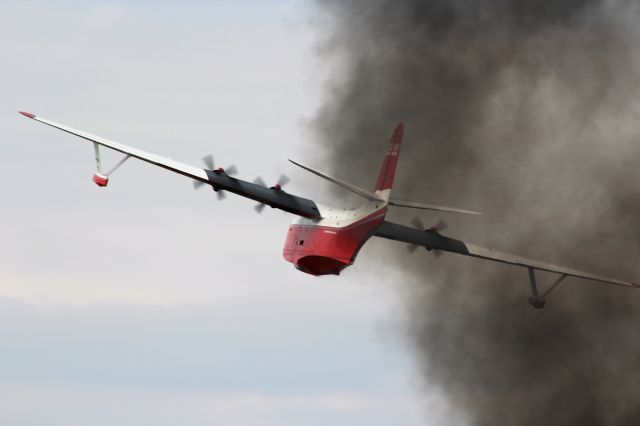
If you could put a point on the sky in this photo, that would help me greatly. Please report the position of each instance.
(147, 302)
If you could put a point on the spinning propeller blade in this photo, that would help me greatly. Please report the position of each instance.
(208, 161)
(440, 226)
(231, 170)
(417, 223)
(283, 180)
(412, 248)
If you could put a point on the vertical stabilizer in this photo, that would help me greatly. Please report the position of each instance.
(388, 170)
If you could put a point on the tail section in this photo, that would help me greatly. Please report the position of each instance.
(388, 171)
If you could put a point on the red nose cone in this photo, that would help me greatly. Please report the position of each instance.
(27, 114)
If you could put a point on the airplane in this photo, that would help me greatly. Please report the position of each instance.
(324, 240)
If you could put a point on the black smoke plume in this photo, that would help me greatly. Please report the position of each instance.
(528, 110)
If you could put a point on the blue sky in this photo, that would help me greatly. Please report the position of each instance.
(148, 302)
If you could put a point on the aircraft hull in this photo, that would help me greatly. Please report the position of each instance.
(327, 250)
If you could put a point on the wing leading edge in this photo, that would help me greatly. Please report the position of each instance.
(432, 240)
(273, 197)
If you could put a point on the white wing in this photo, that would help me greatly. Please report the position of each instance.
(219, 180)
(166, 163)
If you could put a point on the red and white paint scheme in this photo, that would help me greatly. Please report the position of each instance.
(331, 244)
(325, 240)
(328, 245)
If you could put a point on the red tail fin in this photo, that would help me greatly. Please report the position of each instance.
(388, 171)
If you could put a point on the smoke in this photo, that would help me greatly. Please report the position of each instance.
(529, 111)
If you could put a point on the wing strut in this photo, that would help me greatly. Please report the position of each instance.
(101, 178)
(536, 300)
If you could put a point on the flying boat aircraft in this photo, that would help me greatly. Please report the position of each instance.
(325, 240)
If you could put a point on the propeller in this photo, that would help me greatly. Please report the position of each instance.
(231, 170)
(417, 223)
(259, 181)
(440, 226)
(282, 181)
(210, 166)
(208, 161)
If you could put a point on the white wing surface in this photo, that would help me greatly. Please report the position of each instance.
(218, 179)
(166, 163)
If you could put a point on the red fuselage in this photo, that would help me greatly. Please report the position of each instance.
(322, 250)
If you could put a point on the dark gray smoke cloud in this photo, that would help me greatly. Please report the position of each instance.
(529, 111)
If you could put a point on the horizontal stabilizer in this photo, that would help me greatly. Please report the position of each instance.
(413, 205)
(361, 192)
